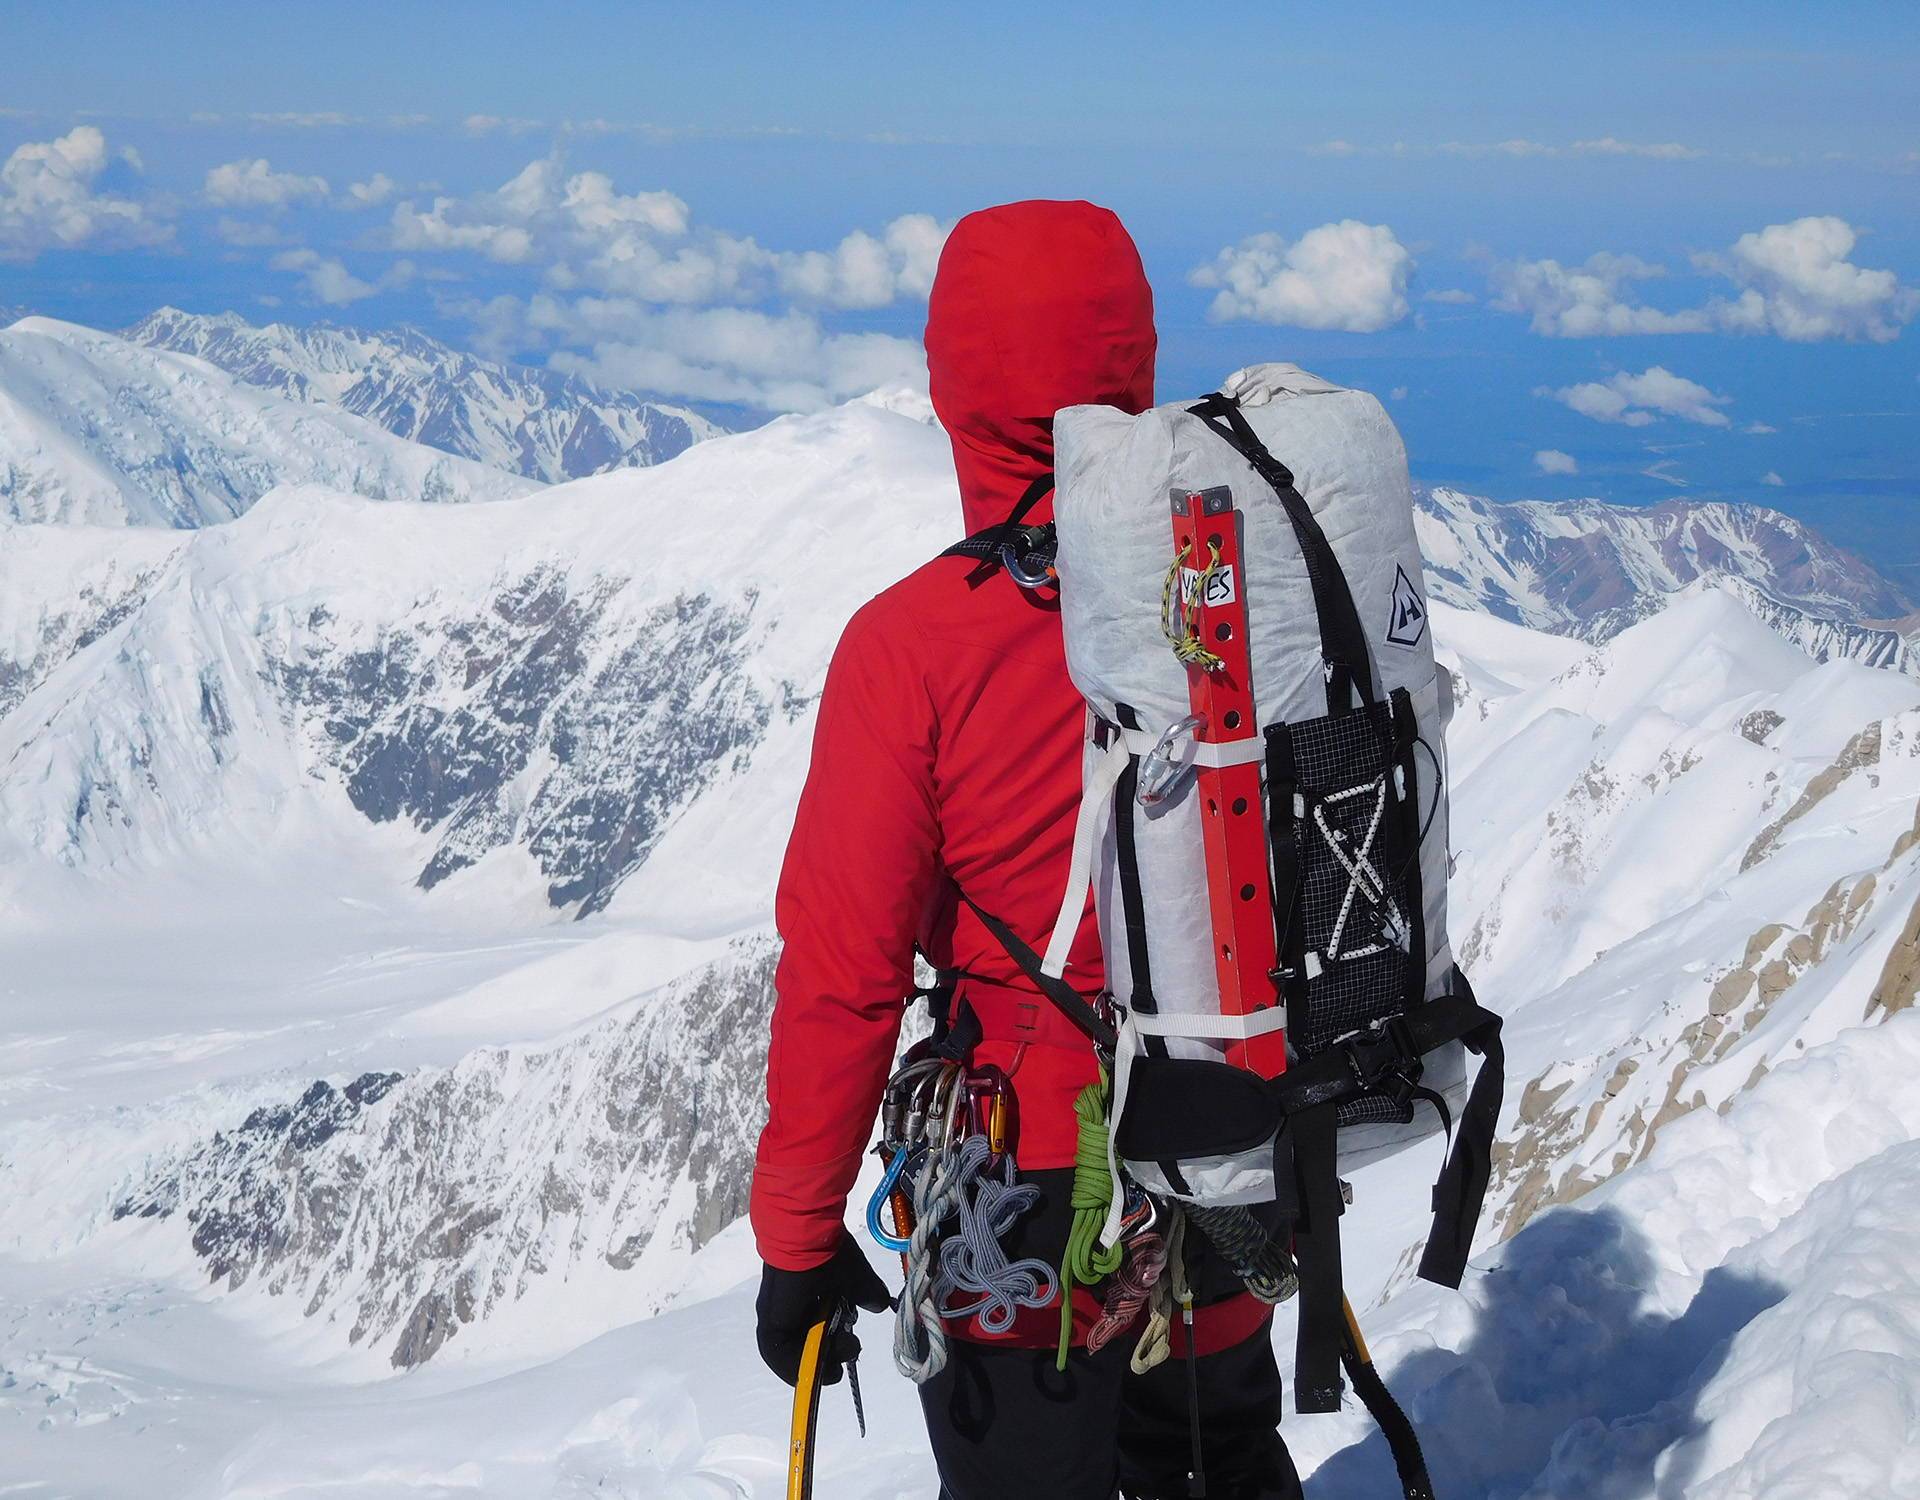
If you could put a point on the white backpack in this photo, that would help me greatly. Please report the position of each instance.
(1264, 822)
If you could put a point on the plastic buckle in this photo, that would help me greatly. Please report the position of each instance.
(1385, 1051)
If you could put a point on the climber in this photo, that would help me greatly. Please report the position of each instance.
(948, 756)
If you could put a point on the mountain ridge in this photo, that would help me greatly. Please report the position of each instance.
(538, 423)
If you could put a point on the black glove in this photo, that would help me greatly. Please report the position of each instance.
(791, 1302)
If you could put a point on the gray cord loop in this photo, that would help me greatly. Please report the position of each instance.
(973, 1260)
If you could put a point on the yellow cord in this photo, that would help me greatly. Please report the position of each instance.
(1186, 641)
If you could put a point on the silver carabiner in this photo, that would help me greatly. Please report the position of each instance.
(1160, 774)
(1027, 578)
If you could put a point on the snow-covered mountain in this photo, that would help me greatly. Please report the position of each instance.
(555, 678)
(1589, 569)
(538, 423)
(333, 1093)
(95, 429)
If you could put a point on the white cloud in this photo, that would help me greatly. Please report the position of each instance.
(1518, 147)
(1658, 151)
(645, 245)
(1771, 478)
(1450, 295)
(1398, 393)
(1800, 284)
(1349, 276)
(316, 119)
(1639, 400)
(487, 124)
(1796, 282)
(326, 280)
(868, 271)
(1759, 428)
(254, 184)
(249, 234)
(1587, 300)
(783, 361)
(1553, 461)
(637, 291)
(371, 193)
(47, 199)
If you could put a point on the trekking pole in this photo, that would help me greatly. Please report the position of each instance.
(806, 1400)
(1402, 1442)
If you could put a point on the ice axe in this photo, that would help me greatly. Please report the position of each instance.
(806, 1399)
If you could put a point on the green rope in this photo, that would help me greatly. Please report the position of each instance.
(1084, 1261)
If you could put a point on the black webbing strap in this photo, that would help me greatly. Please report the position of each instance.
(1284, 848)
(1462, 1186)
(1406, 734)
(1316, 1252)
(1402, 1442)
(988, 546)
(1069, 1001)
(1343, 644)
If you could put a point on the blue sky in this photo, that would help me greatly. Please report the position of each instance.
(740, 203)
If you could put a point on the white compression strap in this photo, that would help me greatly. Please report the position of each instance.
(1200, 752)
(1102, 773)
(1126, 1047)
(1214, 1027)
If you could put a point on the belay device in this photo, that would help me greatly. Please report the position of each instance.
(1264, 828)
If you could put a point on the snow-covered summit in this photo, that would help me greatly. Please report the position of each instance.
(99, 430)
(538, 423)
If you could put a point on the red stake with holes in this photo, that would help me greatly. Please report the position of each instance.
(1239, 874)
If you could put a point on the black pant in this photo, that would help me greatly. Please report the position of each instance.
(1006, 1425)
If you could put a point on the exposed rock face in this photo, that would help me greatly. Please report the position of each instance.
(404, 1208)
(528, 721)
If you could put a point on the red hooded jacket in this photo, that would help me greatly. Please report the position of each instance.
(947, 752)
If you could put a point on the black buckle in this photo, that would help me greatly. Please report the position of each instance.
(1384, 1060)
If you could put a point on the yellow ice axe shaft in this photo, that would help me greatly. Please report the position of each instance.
(806, 1415)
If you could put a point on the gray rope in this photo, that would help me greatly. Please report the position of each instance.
(919, 1339)
(973, 1261)
(1255, 1256)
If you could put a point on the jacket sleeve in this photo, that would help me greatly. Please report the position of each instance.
(861, 870)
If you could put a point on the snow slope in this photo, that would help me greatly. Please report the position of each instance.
(323, 1176)
(537, 423)
(97, 430)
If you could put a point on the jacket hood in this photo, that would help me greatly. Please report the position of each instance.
(1035, 306)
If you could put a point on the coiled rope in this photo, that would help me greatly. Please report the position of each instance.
(973, 1261)
(1092, 1193)
(1256, 1257)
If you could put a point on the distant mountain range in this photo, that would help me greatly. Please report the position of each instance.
(98, 430)
(1590, 569)
(537, 423)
